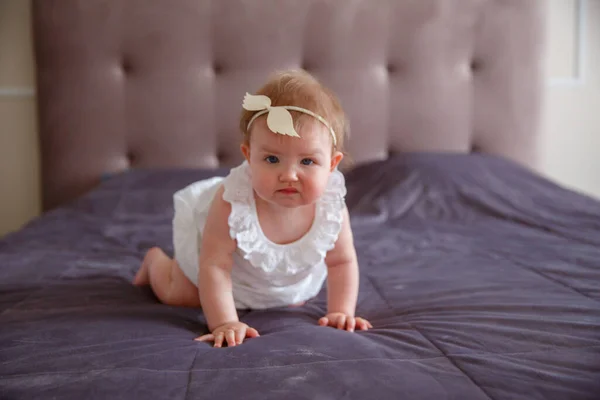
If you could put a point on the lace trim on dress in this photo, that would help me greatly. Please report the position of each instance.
(291, 258)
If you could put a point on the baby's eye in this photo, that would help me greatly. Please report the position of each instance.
(272, 159)
(307, 161)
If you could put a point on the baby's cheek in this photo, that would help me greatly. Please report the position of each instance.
(258, 186)
(264, 188)
(318, 188)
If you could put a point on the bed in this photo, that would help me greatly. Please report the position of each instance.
(481, 278)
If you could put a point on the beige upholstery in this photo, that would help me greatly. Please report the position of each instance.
(151, 83)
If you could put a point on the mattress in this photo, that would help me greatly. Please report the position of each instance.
(482, 280)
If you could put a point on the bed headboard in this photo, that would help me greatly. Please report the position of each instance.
(138, 83)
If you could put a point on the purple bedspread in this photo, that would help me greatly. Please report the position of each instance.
(481, 279)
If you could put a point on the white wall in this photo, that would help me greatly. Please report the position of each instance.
(570, 145)
(19, 157)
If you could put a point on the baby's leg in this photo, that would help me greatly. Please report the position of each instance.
(167, 280)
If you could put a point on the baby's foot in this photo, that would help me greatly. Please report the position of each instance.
(142, 277)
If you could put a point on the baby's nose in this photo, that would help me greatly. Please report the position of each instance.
(288, 174)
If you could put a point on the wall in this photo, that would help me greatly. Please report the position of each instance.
(570, 141)
(19, 157)
(571, 125)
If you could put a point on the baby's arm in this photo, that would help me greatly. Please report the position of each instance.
(342, 282)
(214, 278)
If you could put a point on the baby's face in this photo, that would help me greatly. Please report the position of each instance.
(290, 171)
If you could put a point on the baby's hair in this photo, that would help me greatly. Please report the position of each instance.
(299, 88)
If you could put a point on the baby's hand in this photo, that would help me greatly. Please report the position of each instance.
(233, 333)
(342, 321)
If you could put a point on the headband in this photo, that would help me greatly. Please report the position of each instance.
(279, 119)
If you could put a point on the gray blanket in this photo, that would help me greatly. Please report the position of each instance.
(481, 279)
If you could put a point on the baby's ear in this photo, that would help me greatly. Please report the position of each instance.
(245, 151)
(336, 158)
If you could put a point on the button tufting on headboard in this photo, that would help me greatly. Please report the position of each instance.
(402, 70)
(131, 158)
(308, 67)
(223, 156)
(476, 65)
(126, 66)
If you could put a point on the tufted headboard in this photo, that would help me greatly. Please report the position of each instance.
(139, 83)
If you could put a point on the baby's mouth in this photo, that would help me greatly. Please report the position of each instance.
(288, 191)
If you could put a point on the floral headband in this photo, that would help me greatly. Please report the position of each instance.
(279, 119)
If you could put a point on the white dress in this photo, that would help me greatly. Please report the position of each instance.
(264, 274)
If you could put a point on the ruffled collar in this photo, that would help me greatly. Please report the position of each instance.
(291, 258)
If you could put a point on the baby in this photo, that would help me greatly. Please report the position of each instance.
(271, 232)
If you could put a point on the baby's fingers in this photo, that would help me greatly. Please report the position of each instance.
(230, 337)
(251, 333)
(324, 321)
(350, 324)
(219, 339)
(341, 322)
(363, 324)
(205, 338)
(240, 334)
